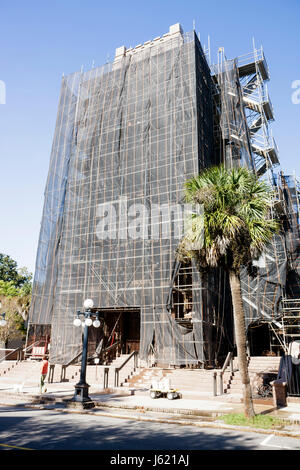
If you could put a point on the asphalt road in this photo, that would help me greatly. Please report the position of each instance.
(38, 429)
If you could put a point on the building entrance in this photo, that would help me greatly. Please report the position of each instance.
(119, 334)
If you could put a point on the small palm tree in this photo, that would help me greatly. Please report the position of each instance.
(233, 228)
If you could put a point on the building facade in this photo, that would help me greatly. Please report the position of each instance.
(128, 135)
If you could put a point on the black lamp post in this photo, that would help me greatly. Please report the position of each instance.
(81, 395)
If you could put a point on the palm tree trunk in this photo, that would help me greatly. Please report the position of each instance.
(240, 335)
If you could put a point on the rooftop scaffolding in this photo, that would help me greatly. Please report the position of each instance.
(247, 87)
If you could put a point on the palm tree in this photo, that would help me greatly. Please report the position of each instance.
(232, 230)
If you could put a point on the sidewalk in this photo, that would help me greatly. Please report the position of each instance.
(121, 398)
(205, 410)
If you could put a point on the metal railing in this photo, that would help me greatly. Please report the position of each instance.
(256, 55)
(228, 362)
(74, 359)
(259, 97)
(63, 369)
(18, 350)
(108, 354)
(31, 346)
(133, 355)
(290, 304)
(214, 384)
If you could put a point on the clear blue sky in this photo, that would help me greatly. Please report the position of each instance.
(41, 40)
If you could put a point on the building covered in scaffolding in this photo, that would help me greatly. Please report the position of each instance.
(128, 135)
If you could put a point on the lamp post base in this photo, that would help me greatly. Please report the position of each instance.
(81, 397)
(84, 405)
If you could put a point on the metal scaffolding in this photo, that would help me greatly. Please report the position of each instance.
(128, 135)
(243, 114)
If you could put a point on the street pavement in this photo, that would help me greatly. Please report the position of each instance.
(123, 420)
(40, 429)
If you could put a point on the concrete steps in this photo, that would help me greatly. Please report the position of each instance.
(95, 373)
(199, 381)
(257, 364)
(263, 362)
(7, 366)
(25, 372)
(186, 381)
(29, 371)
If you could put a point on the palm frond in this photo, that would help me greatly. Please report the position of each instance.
(236, 210)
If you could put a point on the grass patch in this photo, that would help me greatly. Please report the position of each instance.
(258, 421)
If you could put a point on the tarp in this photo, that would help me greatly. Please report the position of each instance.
(128, 135)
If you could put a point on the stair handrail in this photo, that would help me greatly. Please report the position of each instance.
(228, 361)
(117, 369)
(105, 353)
(12, 351)
(31, 346)
(80, 352)
(73, 359)
(112, 346)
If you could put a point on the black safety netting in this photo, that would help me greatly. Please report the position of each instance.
(275, 276)
(127, 137)
(264, 286)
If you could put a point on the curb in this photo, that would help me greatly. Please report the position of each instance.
(175, 411)
(48, 400)
(200, 424)
(38, 399)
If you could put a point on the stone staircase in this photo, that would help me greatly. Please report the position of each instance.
(256, 365)
(191, 383)
(95, 373)
(195, 382)
(6, 366)
(16, 373)
(28, 373)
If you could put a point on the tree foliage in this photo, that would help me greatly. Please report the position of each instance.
(14, 327)
(236, 222)
(15, 297)
(9, 272)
